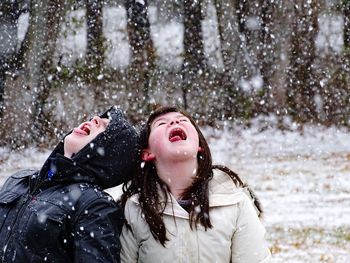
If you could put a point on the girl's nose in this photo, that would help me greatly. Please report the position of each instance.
(174, 121)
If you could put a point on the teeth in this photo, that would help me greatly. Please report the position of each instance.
(177, 132)
(86, 128)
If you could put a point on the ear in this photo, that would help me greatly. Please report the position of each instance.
(147, 156)
(200, 149)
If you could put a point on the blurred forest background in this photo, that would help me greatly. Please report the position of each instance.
(231, 60)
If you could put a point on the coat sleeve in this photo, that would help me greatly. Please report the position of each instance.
(129, 253)
(96, 231)
(248, 242)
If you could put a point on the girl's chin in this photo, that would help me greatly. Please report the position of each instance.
(182, 154)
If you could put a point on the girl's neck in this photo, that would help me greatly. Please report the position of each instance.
(177, 175)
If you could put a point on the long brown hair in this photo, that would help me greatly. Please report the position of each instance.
(146, 183)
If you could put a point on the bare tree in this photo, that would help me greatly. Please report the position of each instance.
(346, 13)
(303, 85)
(336, 90)
(283, 18)
(95, 39)
(8, 39)
(242, 11)
(232, 49)
(143, 52)
(28, 90)
(267, 52)
(194, 63)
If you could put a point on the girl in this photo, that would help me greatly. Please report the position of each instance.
(180, 207)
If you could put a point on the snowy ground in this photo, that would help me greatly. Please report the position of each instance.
(303, 181)
(304, 184)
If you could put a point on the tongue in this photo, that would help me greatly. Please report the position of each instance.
(175, 138)
(84, 131)
(80, 131)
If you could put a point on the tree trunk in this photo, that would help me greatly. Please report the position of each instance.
(346, 34)
(95, 39)
(27, 92)
(266, 55)
(143, 53)
(8, 28)
(336, 91)
(242, 9)
(303, 83)
(8, 40)
(230, 48)
(194, 63)
(224, 13)
(346, 13)
(279, 80)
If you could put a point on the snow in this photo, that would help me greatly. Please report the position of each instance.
(118, 53)
(72, 41)
(23, 23)
(300, 174)
(172, 35)
(330, 36)
(212, 39)
(167, 37)
(302, 181)
(254, 84)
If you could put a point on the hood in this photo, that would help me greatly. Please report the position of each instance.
(108, 160)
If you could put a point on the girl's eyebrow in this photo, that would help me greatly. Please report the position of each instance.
(158, 119)
(163, 118)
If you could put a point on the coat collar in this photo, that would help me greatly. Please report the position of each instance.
(222, 192)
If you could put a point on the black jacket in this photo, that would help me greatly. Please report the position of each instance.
(60, 213)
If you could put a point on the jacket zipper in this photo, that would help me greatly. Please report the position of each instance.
(29, 197)
(33, 188)
(19, 214)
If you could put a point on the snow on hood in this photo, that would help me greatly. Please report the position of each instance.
(108, 160)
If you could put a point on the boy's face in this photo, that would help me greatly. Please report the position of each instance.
(84, 134)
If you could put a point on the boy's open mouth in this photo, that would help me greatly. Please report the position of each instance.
(177, 134)
(86, 128)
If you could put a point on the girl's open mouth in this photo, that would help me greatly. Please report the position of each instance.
(177, 134)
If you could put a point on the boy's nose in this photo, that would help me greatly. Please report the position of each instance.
(96, 120)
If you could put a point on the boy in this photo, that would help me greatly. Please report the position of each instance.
(60, 213)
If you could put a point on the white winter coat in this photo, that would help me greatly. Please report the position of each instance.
(237, 234)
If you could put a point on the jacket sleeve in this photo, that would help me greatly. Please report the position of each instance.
(128, 240)
(248, 242)
(96, 231)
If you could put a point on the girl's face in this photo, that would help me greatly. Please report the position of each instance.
(83, 134)
(172, 138)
